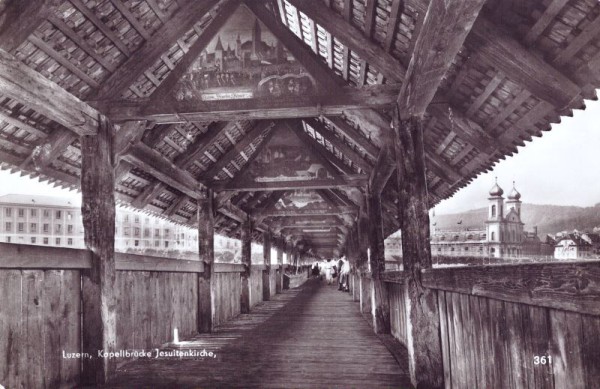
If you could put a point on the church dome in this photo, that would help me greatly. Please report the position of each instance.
(496, 191)
(514, 194)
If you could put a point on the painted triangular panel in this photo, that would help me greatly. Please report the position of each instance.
(244, 60)
(286, 158)
(302, 200)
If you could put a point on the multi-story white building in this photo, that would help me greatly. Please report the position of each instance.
(53, 221)
(503, 235)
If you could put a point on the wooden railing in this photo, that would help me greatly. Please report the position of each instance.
(516, 326)
(40, 307)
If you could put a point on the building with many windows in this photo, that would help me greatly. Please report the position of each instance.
(53, 221)
(502, 236)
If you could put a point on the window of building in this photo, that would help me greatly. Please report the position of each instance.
(33, 212)
(451, 248)
(156, 243)
(21, 212)
(136, 231)
(33, 240)
(21, 227)
(156, 232)
(136, 219)
(147, 220)
(46, 213)
(70, 241)
(69, 215)
(45, 240)
(8, 212)
(126, 218)
(493, 211)
(58, 214)
(57, 241)
(8, 226)
(58, 228)
(126, 231)
(439, 249)
(33, 227)
(147, 243)
(46, 227)
(8, 239)
(492, 235)
(146, 232)
(466, 249)
(136, 243)
(70, 228)
(167, 233)
(166, 243)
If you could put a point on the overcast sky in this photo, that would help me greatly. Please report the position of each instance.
(562, 168)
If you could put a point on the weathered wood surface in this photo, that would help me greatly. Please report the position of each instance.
(26, 86)
(255, 284)
(98, 282)
(493, 343)
(39, 317)
(312, 337)
(227, 290)
(206, 253)
(379, 296)
(15, 256)
(150, 305)
(246, 238)
(398, 320)
(569, 286)
(423, 339)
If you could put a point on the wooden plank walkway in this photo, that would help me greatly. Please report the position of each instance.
(309, 337)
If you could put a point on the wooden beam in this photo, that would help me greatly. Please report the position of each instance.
(423, 337)
(52, 147)
(552, 285)
(206, 252)
(266, 279)
(497, 48)
(381, 308)
(202, 143)
(152, 162)
(262, 128)
(151, 51)
(396, 10)
(147, 195)
(344, 180)
(383, 170)
(167, 85)
(544, 21)
(328, 158)
(98, 283)
(329, 103)
(354, 135)
(246, 238)
(19, 21)
(463, 127)
(348, 151)
(339, 210)
(23, 84)
(445, 27)
(351, 37)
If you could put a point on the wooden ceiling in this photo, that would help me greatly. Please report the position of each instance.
(488, 87)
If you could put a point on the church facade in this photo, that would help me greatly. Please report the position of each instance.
(502, 235)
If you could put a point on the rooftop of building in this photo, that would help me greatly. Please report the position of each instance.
(39, 200)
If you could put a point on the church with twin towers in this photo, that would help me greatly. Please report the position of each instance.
(501, 235)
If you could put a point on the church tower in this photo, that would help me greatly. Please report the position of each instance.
(219, 54)
(495, 221)
(514, 200)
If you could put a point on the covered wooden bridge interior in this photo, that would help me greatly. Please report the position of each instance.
(322, 128)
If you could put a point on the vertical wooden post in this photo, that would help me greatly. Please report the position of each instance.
(246, 237)
(279, 280)
(206, 233)
(267, 263)
(98, 212)
(379, 296)
(423, 333)
(362, 245)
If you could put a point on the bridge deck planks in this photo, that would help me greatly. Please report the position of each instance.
(312, 336)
